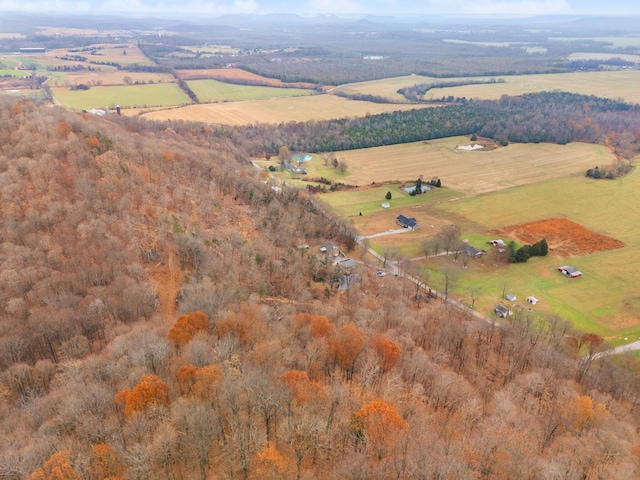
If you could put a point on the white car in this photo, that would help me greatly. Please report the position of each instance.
(380, 273)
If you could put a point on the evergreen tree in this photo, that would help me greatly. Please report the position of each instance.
(544, 247)
(388, 196)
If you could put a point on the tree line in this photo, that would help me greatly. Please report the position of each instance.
(555, 117)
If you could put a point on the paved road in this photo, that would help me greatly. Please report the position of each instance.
(382, 234)
(630, 347)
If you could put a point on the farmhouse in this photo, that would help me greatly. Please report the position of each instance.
(405, 222)
(503, 311)
(571, 272)
(471, 251)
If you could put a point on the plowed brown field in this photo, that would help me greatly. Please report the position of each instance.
(565, 238)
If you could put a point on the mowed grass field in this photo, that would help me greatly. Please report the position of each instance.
(472, 172)
(605, 300)
(279, 110)
(613, 84)
(164, 94)
(108, 77)
(214, 91)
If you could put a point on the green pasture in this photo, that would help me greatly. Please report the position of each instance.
(370, 200)
(605, 300)
(14, 73)
(165, 94)
(214, 91)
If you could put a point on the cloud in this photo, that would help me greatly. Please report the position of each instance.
(336, 7)
(504, 7)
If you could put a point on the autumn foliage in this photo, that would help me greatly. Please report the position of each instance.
(380, 423)
(106, 462)
(58, 467)
(150, 391)
(388, 351)
(187, 326)
(347, 344)
(201, 382)
(270, 464)
(303, 390)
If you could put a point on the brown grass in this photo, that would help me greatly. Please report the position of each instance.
(565, 238)
(278, 110)
(473, 172)
(237, 74)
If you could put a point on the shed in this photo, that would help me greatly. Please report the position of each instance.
(511, 297)
(503, 311)
(571, 272)
(532, 300)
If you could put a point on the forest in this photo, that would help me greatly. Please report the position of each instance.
(158, 320)
(555, 117)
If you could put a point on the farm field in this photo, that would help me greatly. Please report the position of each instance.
(106, 78)
(595, 227)
(617, 42)
(164, 94)
(472, 172)
(235, 74)
(214, 91)
(295, 109)
(387, 87)
(608, 84)
(605, 56)
(605, 300)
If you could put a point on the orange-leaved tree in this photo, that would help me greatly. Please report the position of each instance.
(150, 391)
(582, 413)
(107, 463)
(346, 344)
(201, 382)
(379, 426)
(302, 389)
(57, 467)
(269, 463)
(388, 351)
(187, 326)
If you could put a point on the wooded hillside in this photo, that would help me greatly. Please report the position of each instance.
(158, 321)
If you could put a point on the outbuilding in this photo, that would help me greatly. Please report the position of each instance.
(502, 311)
(571, 272)
(532, 300)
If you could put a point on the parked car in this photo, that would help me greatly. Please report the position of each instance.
(380, 273)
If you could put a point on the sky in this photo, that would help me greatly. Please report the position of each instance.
(338, 7)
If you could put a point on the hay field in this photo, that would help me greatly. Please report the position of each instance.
(214, 91)
(472, 172)
(237, 74)
(608, 84)
(126, 96)
(604, 56)
(605, 300)
(387, 87)
(615, 84)
(107, 77)
(618, 42)
(296, 109)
